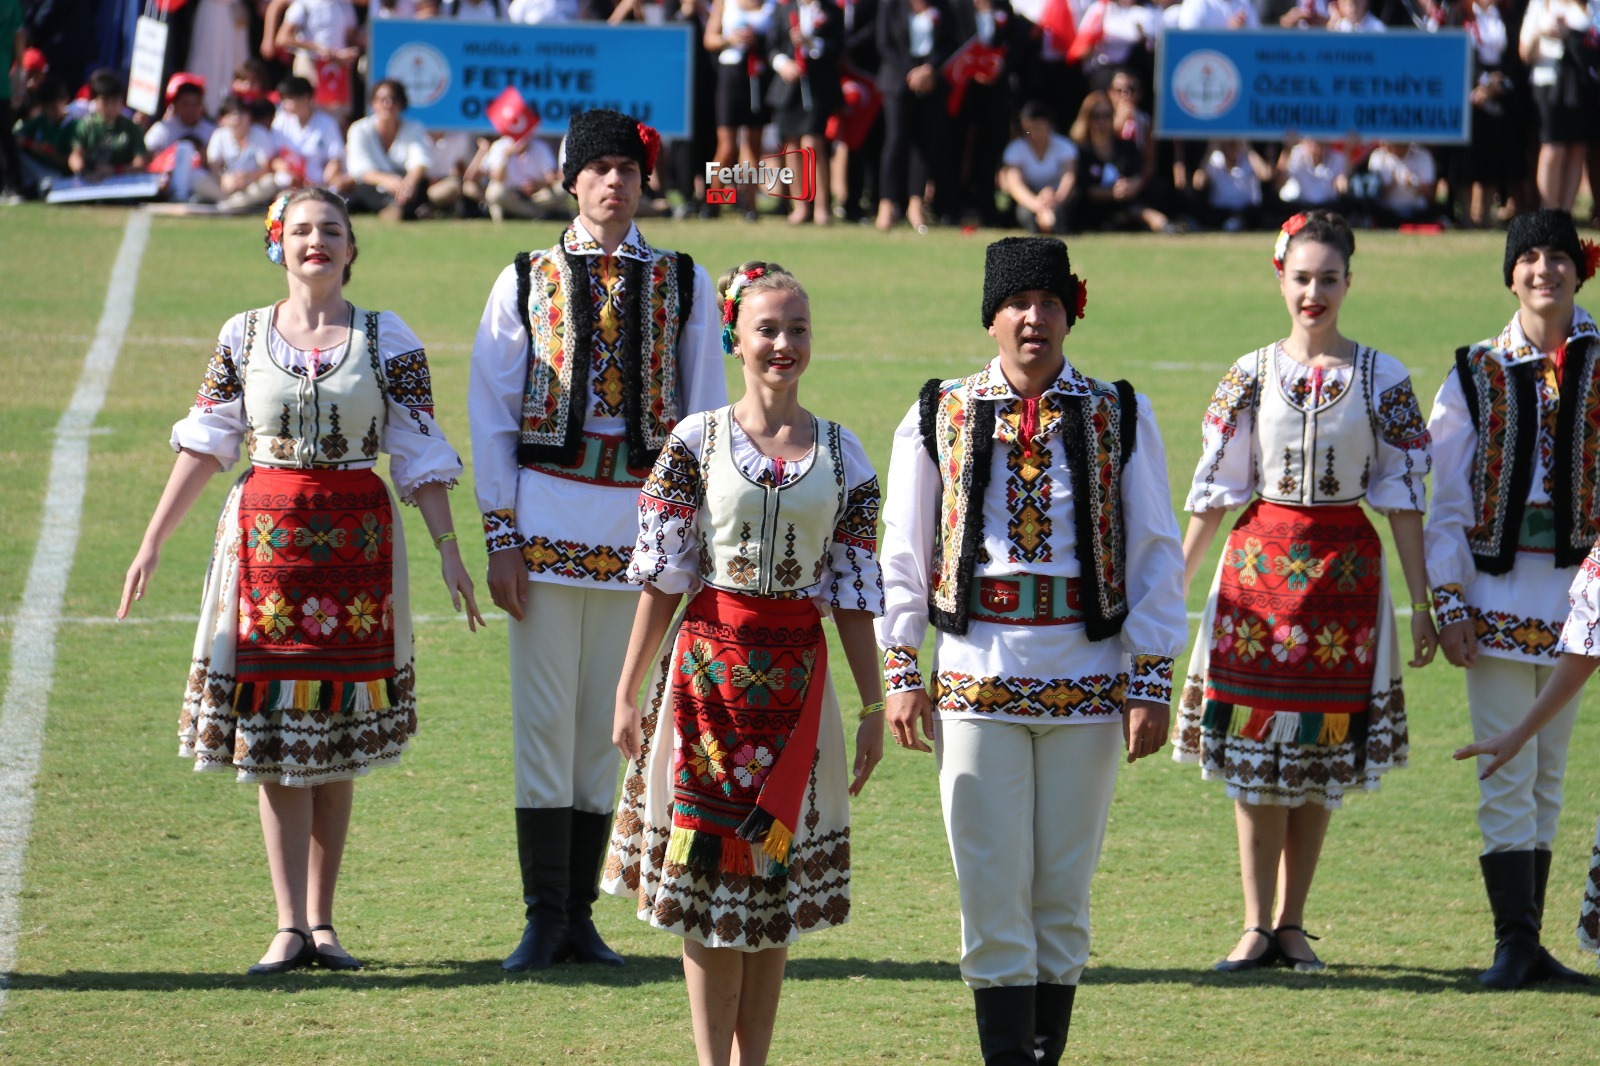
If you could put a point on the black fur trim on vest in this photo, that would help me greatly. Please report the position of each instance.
(1519, 454)
(578, 335)
(979, 467)
(1075, 434)
(634, 299)
(685, 290)
(1564, 495)
(928, 416)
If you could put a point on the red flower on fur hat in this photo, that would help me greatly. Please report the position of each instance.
(1591, 258)
(652, 145)
(1083, 297)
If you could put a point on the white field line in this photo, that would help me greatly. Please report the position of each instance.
(33, 643)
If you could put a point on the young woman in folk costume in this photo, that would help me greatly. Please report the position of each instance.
(1293, 693)
(303, 676)
(734, 827)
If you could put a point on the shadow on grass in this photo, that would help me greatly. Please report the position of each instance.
(1386, 978)
(459, 973)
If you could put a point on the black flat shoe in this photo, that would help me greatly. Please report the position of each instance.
(1311, 965)
(299, 960)
(328, 960)
(1268, 957)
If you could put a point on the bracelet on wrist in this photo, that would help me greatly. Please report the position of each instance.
(869, 709)
(1422, 606)
(438, 542)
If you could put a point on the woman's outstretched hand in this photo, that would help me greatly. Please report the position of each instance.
(459, 583)
(140, 571)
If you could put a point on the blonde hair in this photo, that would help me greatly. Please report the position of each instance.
(772, 277)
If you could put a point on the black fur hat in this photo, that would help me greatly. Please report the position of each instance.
(1547, 227)
(600, 132)
(1017, 264)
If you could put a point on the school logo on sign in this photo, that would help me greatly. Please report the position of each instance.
(422, 69)
(1205, 84)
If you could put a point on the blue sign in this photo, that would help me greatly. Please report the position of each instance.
(1405, 85)
(452, 70)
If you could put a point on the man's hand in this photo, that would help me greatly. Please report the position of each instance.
(904, 711)
(1144, 727)
(508, 581)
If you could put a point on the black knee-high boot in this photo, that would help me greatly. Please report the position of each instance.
(590, 835)
(1508, 879)
(1005, 1025)
(544, 845)
(1550, 968)
(1052, 1018)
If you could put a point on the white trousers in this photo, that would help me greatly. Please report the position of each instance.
(1025, 808)
(566, 657)
(1519, 806)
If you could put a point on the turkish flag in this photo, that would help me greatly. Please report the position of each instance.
(1091, 33)
(971, 60)
(333, 84)
(510, 114)
(1057, 20)
(852, 123)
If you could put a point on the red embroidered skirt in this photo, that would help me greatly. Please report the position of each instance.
(316, 581)
(747, 682)
(1297, 611)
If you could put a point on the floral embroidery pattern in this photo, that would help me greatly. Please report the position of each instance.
(1289, 644)
(276, 617)
(1249, 561)
(363, 614)
(264, 537)
(1298, 567)
(702, 669)
(758, 679)
(321, 616)
(1331, 644)
(751, 765)
(320, 537)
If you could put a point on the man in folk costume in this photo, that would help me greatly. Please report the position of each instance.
(1029, 520)
(588, 354)
(1516, 432)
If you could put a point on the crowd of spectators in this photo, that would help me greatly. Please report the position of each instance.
(1028, 113)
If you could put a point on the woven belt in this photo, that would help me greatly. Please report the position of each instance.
(602, 460)
(1026, 600)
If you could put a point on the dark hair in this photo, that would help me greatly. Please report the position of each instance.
(318, 194)
(233, 104)
(1326, 227)
(48, 91)
(395, 87)
(106, 82)
(253, 68)
(295, 87)
(188, 88)
(1034, 110)
(262, 110)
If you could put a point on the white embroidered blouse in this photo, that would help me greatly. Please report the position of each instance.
(1230, 471)
(671, 545)
(419, 454)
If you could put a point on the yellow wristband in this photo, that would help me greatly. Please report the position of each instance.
(438, 541)
(1424, 607)
(871, 708)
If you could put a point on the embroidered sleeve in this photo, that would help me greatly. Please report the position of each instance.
(1225, 475)
(1404, 453)
(1452, 512)
(1581, 633)
(500, 530)
(1449, 605)
(900, 672)
(857, 583)
(216, 425)
(1150, 679)
(667, 551)
(419, 454)
(905, 552)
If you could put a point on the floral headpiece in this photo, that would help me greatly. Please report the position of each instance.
(730, 304)
(651, 139)
(1591, 258)
(1083, 297)
(274, 222)
(1294, 225)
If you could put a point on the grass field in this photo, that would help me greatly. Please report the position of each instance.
(145, 887)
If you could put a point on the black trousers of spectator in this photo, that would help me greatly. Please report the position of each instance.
(915, 149)
(11, 179)
(983, 127)
(861, 182)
